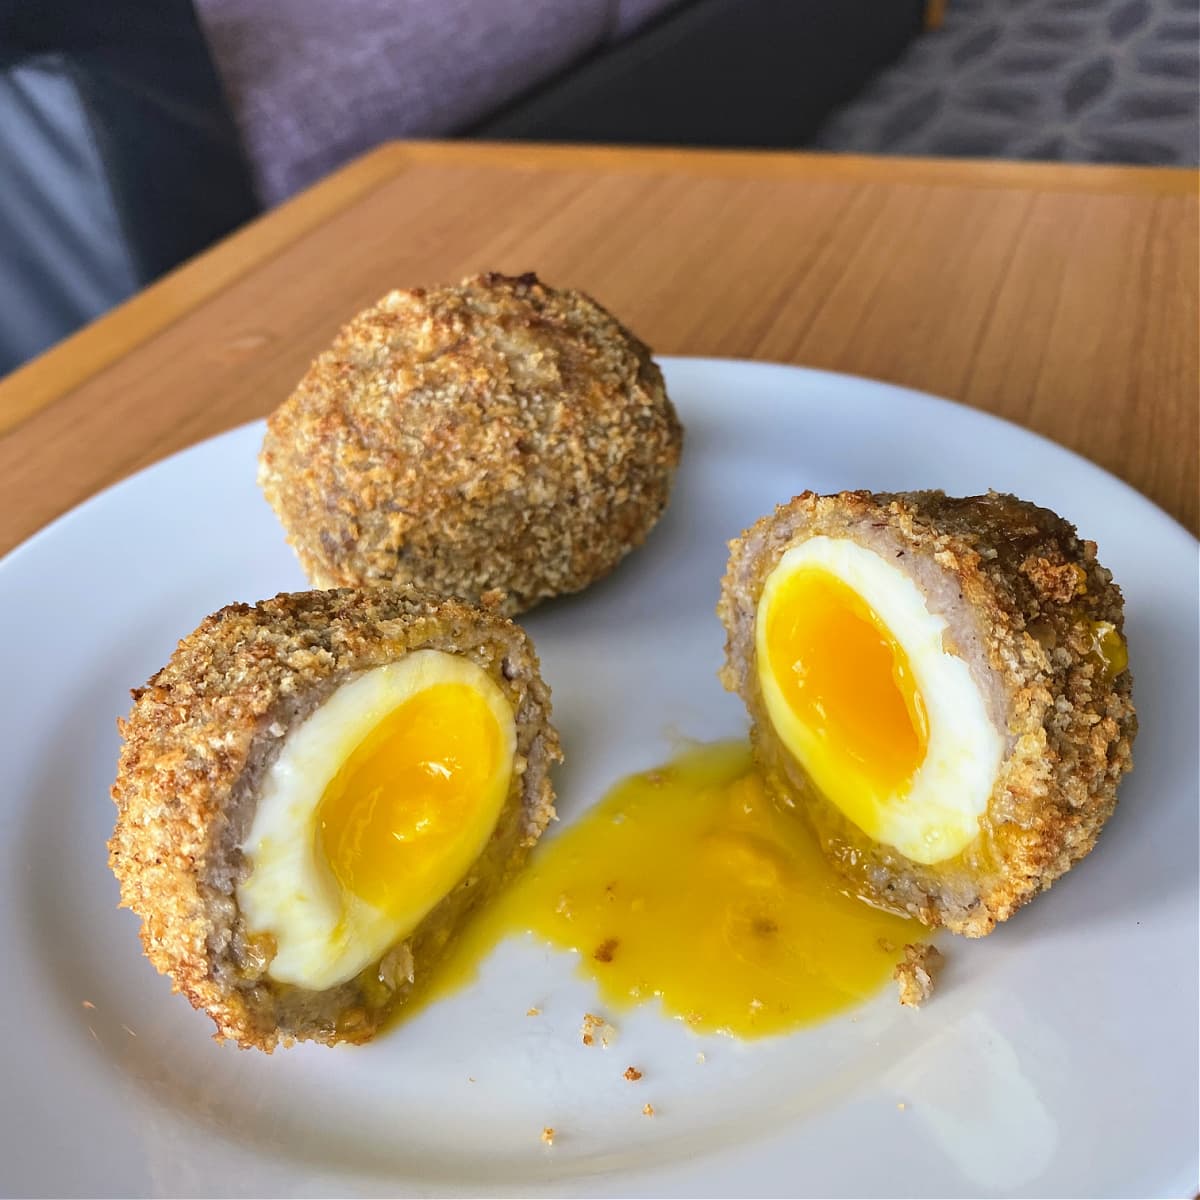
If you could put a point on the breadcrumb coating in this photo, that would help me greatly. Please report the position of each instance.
(914, 973)
(1024, 598)
(202, 734)
(500, 434)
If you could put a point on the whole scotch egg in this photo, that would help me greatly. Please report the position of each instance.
(316, 792)
(499, 434)
(940, 684)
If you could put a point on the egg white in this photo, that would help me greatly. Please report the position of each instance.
(323, 936)
(939, 814)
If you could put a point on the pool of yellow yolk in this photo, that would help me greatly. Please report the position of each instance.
(687, 884)
(411, 807)
(855, 708)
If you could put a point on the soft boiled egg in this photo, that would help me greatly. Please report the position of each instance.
(862, 689)
(375, 808)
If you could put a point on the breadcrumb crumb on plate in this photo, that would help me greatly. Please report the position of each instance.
(597, 1029)
(915, 973)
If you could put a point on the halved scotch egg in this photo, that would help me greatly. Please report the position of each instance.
(940, 684)
(316, 792)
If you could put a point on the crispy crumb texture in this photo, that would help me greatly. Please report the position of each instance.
(197, 743)
(915, 973)
(1025, 602)
(500, 439)
(596, 1029)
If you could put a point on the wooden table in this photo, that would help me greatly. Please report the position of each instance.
(1062, 297)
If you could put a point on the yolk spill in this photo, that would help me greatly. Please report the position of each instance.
(394, 820)
(686, 883)
(848, 680)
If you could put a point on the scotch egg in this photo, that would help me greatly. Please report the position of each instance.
(497, 435)
(316, 793)
(941, 685)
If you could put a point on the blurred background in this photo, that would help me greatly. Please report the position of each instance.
(134, 133)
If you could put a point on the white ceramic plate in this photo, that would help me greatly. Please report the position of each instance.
(1058, 1057)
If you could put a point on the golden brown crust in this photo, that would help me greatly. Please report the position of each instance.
(1024, 597)
(501, 434)
(915, 973)
(202, 731)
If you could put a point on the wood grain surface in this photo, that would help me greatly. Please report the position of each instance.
(1061, 297)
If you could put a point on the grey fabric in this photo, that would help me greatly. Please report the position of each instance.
(1069, 80)
(63, 258)
(315, 82)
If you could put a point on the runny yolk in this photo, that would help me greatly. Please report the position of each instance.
(411, 807)
(848, 688)
(688, 885)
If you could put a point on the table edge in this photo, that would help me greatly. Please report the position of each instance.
(802, 164)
